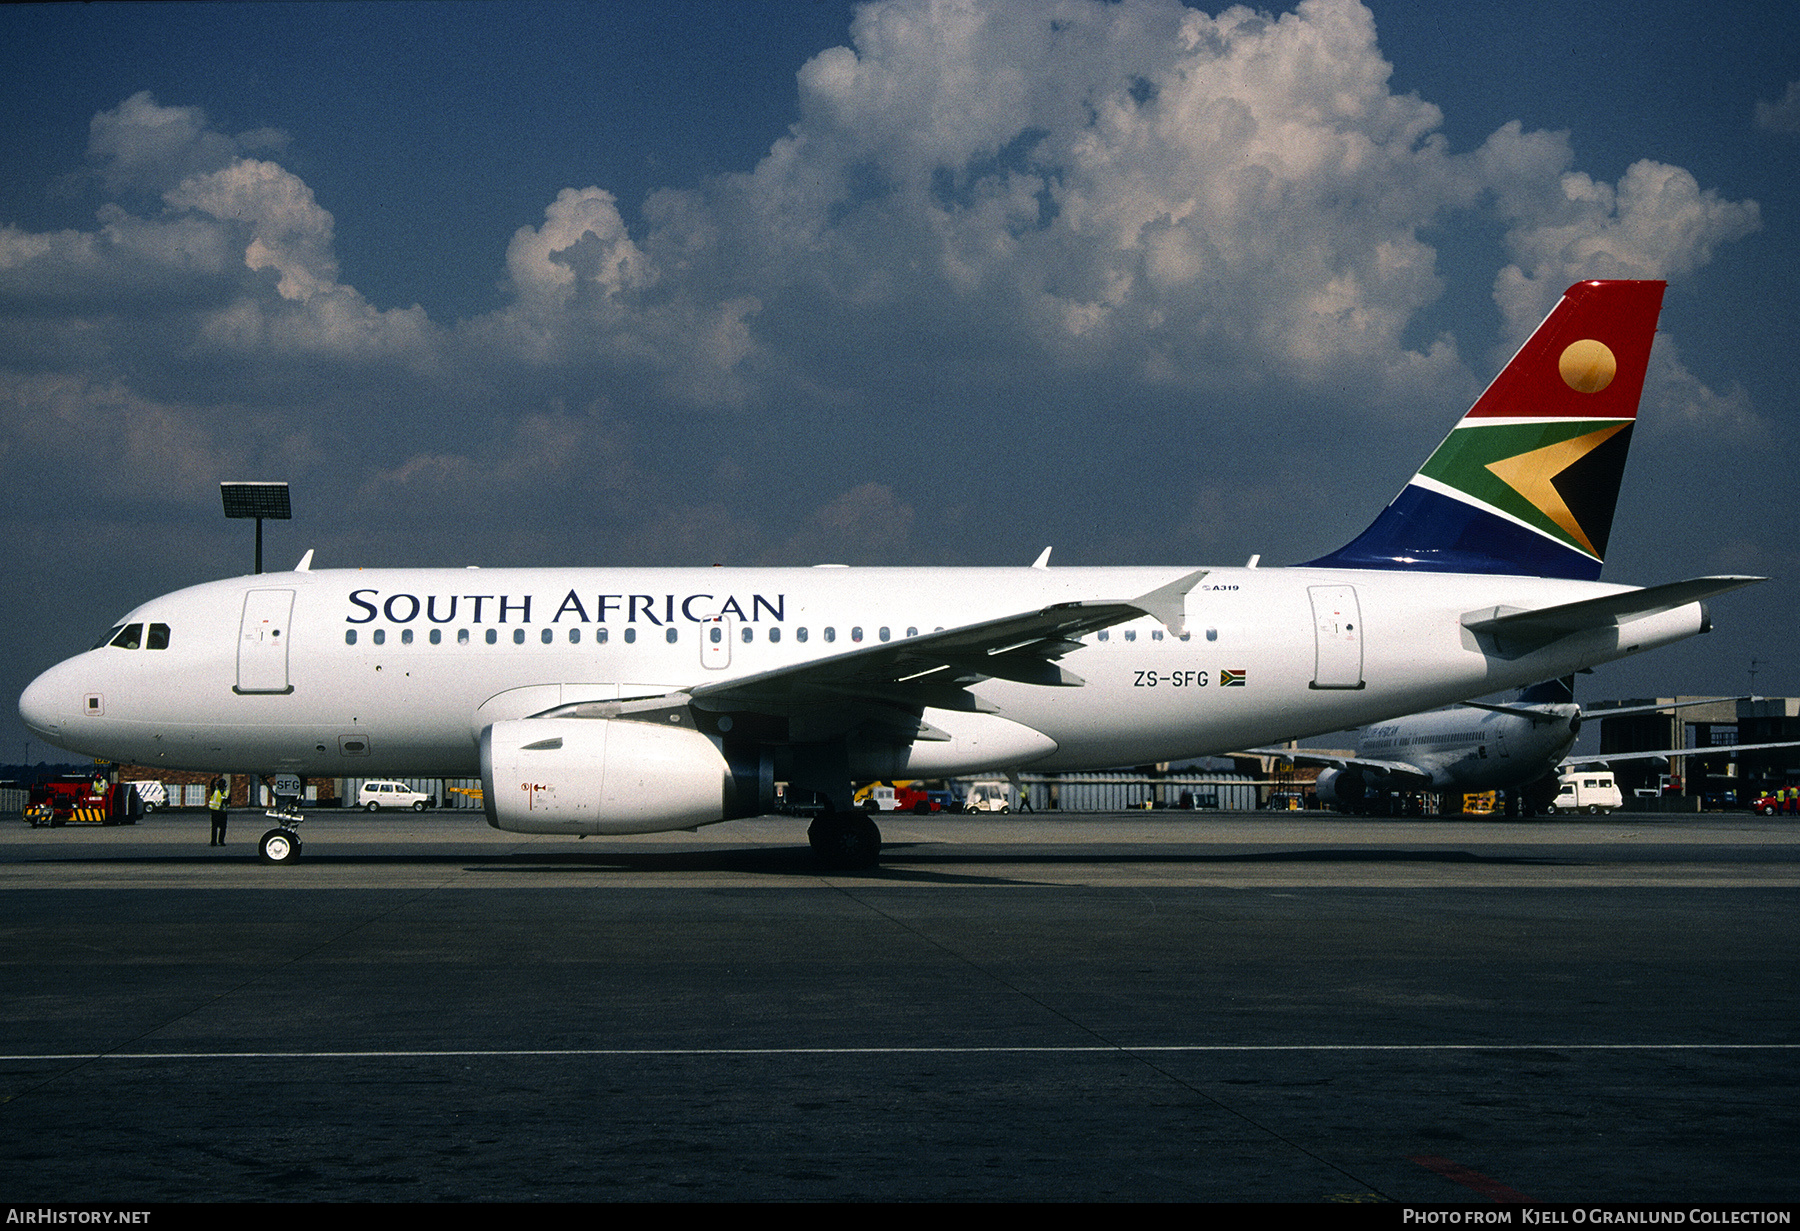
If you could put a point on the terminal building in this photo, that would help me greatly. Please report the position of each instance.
(1723, 779)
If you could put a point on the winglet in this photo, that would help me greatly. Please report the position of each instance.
(1169, 603)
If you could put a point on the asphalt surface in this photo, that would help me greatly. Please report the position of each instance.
(1092, 1007)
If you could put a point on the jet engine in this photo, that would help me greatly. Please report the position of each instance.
(1341, 788)
(600, 775)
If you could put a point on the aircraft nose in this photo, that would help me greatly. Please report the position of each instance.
(44, 704)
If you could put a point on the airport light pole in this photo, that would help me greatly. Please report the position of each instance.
(258, 500)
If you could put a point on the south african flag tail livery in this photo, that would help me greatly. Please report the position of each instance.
(1526, 483)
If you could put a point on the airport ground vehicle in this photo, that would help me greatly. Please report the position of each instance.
(1777, 803)
(1589, 791)
(384, 793)
(987, 797)
(151, 794)
(918, 796)
(77, 799)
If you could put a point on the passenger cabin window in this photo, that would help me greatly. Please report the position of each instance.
(406, 636)
(130, 637)
(462, 636)
(437, 636)
(380, 636)
(774, 634)
(349, 636)
(630, 635)
(830, 633)
(671, 634)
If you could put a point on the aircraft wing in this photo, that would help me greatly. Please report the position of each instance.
(1400, 770)
(936, 668)
(1607, 758)
(1621, 711)
(930, 670)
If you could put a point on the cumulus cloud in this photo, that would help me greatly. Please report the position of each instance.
(976, 205)
(141, 145)
(1783, 116)
(1564, 226)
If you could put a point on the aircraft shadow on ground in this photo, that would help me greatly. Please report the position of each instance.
(903, 861)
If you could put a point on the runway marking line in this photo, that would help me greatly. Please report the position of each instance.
(1493, 1190)
(425, 1053)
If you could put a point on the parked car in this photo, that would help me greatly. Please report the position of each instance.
(377, 794)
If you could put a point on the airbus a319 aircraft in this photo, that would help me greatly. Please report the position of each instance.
(616, 701)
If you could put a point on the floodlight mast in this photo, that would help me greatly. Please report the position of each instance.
(258, 500)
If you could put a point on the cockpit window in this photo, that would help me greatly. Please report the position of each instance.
(107, 638)
(130, 637)
(159, 637)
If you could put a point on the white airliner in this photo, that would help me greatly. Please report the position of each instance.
(1478, 746)
(613, 701)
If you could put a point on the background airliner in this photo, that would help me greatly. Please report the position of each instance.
(598, 701)
(1464, 749)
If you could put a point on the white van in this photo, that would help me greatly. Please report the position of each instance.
(151, 794)
(1589, 791)
(377, 794)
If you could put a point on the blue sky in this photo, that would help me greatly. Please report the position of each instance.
(910, 284)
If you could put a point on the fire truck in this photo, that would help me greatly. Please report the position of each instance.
(80, 799)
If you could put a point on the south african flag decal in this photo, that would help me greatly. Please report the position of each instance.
(1231, 679)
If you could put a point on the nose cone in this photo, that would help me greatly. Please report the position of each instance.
(48, 704)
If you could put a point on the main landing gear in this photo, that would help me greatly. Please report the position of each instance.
(845, 841)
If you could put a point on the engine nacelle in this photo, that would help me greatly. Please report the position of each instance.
(601, 776)
(1341, 788)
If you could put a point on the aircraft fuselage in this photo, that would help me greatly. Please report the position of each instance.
(397, 672)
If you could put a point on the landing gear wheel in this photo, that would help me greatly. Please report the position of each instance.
(845, 841)
(280, 846)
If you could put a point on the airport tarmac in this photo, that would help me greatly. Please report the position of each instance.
(1065, 1007)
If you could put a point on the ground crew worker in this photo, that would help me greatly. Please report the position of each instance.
(215, 805)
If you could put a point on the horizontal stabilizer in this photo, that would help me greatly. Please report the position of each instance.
(1538, 717)
(1547, 624)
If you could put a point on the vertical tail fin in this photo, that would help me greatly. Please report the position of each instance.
(1527, 482)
